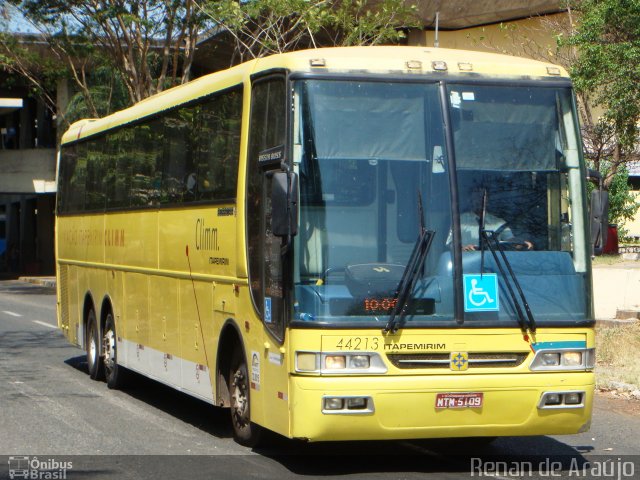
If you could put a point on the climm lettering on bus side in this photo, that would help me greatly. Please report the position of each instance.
(114, 237)
(206, 237)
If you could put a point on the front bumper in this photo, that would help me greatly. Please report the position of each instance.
(404, 407)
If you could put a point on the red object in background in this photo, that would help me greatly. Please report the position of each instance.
(611, 247)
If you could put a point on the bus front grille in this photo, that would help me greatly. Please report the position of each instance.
(442, 360)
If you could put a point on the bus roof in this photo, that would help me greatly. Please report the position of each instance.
(360, 60)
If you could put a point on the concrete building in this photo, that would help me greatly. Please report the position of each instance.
(27, 180)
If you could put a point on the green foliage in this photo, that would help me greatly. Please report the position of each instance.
(361, 24)
(623, 204)
(607, 71)
(264, 27)
(39, 74)
(608, 66)
(106, 94)
(148, 44)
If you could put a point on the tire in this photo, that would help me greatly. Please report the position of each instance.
(244, 431)
(94, 359)
(115, 375)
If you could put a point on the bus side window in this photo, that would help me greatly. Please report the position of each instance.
(77, 179)
(219, 146)
(177, 127)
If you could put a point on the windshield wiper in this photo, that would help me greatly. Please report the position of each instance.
(487, 238)
(410, 275)
(528, 322)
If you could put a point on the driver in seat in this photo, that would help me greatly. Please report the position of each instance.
(470, 226)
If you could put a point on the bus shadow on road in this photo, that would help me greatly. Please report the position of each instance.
(197, 413)
(540, 455)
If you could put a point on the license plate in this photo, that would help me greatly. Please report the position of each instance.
(459, 400)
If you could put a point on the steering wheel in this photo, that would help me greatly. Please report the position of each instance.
(498, 231)
(329, 271)
(511, 244)
(515, 245)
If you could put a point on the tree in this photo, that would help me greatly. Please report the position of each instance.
(607, 69)
(623, 204)
(39, 74)
(148, 45)
(264, 27)
(583, 38)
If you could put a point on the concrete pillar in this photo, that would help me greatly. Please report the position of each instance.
(43, 130)
(28, 236)
(13, 233)
(45, 227)
(26, 126)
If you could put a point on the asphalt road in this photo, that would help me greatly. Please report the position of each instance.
(51, 410)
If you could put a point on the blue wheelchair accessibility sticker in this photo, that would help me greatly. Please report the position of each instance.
(481, 293)
(267, 309)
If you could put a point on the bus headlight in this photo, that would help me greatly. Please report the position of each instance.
(359, 361)
(347, 405)
(572, 359)
(550, 359)
(569, 359)
(335, 362)
(333, 403)
(339, 363)
(562, 400)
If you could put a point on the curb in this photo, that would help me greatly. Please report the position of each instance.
(614, 322)
(628, 314)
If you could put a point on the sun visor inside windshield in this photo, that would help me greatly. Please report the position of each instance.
(505, 136)
(351, 124)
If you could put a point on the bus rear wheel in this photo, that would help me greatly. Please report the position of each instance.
(244, 431)
(94, 360)
(114, 374)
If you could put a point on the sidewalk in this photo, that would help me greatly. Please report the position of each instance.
(49, 282)
(616, 290)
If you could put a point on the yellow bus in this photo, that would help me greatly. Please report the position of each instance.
(340, 244)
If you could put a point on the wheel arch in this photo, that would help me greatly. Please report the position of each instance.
(87, 306)
(230, 339)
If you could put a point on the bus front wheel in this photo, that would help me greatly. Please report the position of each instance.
(244, 431)
(94, 360)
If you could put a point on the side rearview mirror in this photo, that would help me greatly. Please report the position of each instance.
(594, 176)
(599, 220)
(284, 204)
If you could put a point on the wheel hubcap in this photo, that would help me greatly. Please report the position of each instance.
(93, 351)
(239, 399)
(109, 348)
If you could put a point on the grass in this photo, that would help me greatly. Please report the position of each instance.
(617, 358)
(607, 260)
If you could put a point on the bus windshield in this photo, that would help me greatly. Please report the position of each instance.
(374, 170)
